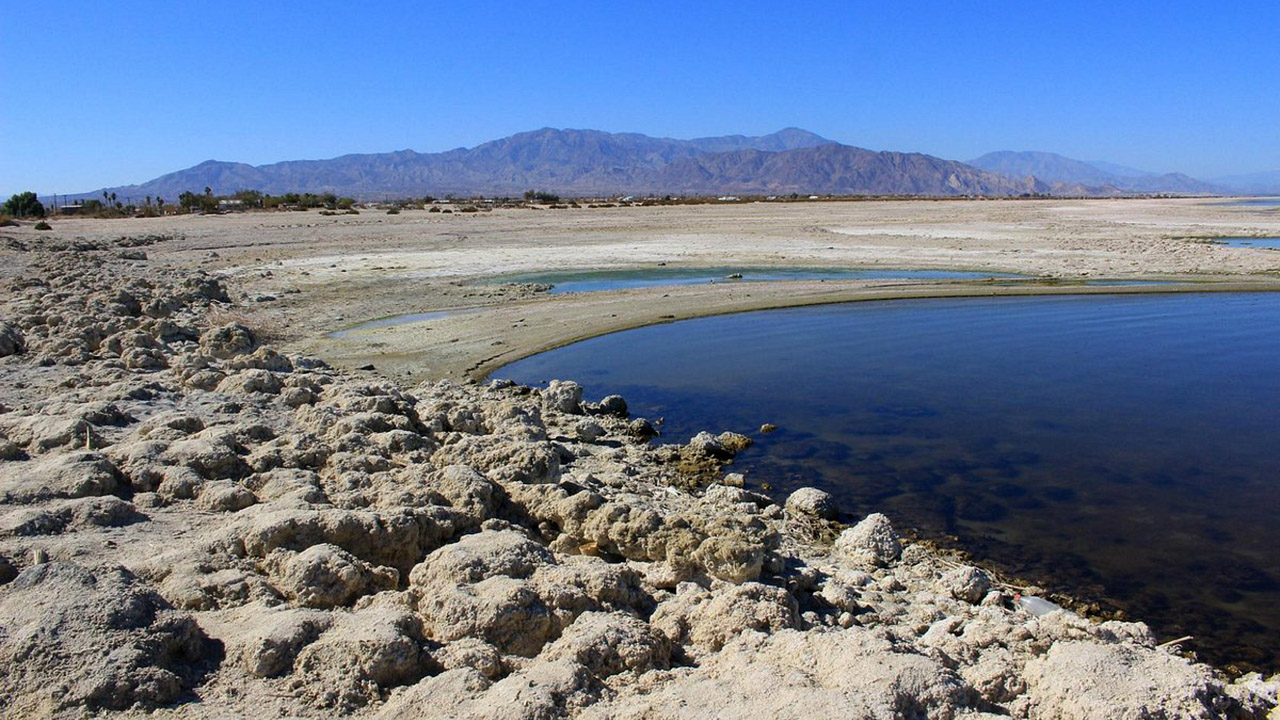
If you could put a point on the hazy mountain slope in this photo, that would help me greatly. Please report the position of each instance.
(836, 169)
(1049, 167)
(1101, 177)
(1262, 182)
(1123, 171)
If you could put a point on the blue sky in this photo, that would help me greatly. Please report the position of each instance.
(105, 94)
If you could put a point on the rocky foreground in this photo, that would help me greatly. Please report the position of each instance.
(192, 524)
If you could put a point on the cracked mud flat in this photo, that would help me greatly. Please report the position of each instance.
(194, 524)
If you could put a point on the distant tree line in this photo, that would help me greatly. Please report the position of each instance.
(23, 205)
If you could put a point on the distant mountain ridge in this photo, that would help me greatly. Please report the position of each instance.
(1099, 177)
(593, 162)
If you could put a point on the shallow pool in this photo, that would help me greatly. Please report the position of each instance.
(1123, 448)
(1250, 242)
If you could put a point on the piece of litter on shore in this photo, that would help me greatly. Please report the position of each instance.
(1036, 605)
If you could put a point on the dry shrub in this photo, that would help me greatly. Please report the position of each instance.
(267, 325)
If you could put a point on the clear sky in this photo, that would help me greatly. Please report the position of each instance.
(99, 94)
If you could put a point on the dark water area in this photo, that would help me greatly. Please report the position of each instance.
(1250, 242)
(596, 280)
(1122, 449)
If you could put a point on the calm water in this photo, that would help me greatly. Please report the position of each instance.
(595, 280)
(1125, 449)
(1250, 242)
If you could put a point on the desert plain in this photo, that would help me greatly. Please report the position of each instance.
(212, 506)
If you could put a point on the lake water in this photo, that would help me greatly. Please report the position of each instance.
(1250, 242)
(1260, 202)
(596, 280)
(1124, 449)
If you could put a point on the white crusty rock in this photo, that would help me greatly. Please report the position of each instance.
(69, 475)
(326, 576)
(812, 502)
(1081, 680)
(563, 396)
(76, 638)
(793, 675)
(611, 643)
(966, 583)
(872, 542)
(360, 658)
(707, 621)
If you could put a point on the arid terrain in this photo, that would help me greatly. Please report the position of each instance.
(211, 508)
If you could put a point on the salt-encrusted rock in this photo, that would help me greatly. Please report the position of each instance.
(263, 358)
(588, 430)
(250, 381)
(704, 443)
(11, 340)
(448, 695)
(270, 639)
(468, 491)
(395, 538)
(471, 653)
(843, 596)
(480, 556)
(228, 341)
(365, 654)
(503, 461)
(68, 475)
(563, 396)
(706, 621)
(966, 583)
(1089, 680)
(872, 542)
(611, 643)
(77, 514)
(225, 496)
(93, 639)
(812, 502)
(326, 576)
(214, 454)
(733, 442)
(42, 433)
(792, 675)
(731, 556)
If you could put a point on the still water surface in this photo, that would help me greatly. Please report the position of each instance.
(1125, 449)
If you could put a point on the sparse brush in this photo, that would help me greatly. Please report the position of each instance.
(42, 225)
(6, 220)
(268, 328)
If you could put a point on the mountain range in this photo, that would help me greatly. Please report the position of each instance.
(596, 163)
(1097, 177)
